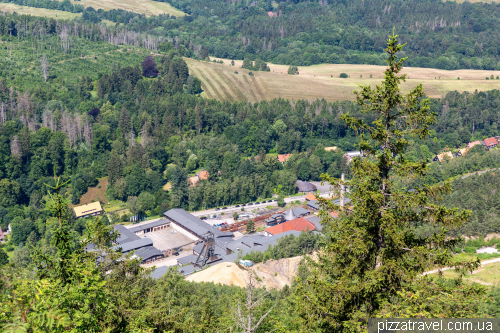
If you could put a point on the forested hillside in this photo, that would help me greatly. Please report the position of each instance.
(80, 102)
(440, 34)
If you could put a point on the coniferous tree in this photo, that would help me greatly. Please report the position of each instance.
(374, 258)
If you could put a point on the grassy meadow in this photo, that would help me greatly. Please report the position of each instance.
(25, 10)
(147, 7)
(322, 81)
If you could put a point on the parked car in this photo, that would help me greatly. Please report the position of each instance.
(250, 204)
(275, 200)
(217, 209)
(257, 203)
(224, 207)
(175, 253)
(243, 205)
(270, 201)
(236, 206)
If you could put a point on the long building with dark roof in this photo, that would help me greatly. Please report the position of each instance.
(143, 247)
(191, 226)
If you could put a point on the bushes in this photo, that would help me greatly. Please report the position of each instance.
(343, 76)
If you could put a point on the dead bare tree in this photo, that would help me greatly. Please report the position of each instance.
(244, 315)
(15, 146)
(3, 113)
(45, 68)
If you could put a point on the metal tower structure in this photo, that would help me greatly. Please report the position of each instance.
(207, 254)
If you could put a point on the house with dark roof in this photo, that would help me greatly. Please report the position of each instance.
(305, 187)
(191, 226)
(142, 247)
(490, 142)
(299, 224)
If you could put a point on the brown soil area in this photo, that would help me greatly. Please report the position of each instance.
(271, 274)
(96, 194)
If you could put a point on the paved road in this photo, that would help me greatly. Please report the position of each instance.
(483, 263)
(247, 208)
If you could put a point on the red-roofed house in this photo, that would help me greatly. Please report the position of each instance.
(490, 142)
(299, 224)
(310, 197)
(199, 176)
(283, 158)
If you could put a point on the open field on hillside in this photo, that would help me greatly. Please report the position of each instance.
(322, 81)
(25, 10)
(97, 193)
(147, 7)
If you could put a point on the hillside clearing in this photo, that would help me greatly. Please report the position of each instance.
(322, 81)
(97, 193)
(25, 10)
(147, 7)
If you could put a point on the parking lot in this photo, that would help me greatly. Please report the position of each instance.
(165, 239)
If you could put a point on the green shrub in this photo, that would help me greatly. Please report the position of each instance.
(343, 76)
(470, 249)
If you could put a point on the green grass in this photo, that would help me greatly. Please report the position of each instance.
(147, 7)
(25, 10)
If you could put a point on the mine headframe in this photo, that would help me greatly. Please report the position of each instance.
(207, 254)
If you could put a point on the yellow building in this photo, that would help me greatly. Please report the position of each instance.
(90, 209)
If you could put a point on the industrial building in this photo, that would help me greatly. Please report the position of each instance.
(191, 226)
(145, 228)
(143, 247)
(299, 224)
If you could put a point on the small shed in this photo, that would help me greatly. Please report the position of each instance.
(305, 186)
(91, 209)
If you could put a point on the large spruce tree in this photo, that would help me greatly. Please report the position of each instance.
(373, 262)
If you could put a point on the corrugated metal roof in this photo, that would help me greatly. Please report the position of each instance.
(316, 221)
(125, 234)
(159, 272)
(187, 259)
(134, 245)
(149, 225)
(148, 252)
(191, 222)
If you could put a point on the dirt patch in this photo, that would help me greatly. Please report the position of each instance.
(271, 274)
(95, 193)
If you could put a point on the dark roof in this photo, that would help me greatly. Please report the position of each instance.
(276, 215)
(126, 235)
(313, 204)
(194, 224)
(188, 259)
(198, 248)
(159, 272)
(315, 220)
(148, 252)
(305, 186)
(346, 201)
(299, 211)
(134, 245)
(149, 225)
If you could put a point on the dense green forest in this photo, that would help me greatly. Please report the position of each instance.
(140, 122)
(440, 34)
(80, 102)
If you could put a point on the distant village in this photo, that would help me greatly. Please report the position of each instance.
(448, 154)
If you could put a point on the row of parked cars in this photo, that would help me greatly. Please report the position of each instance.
(249, 204)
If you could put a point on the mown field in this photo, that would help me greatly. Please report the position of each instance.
(147, 7)
(322, 81)
(25, 10)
